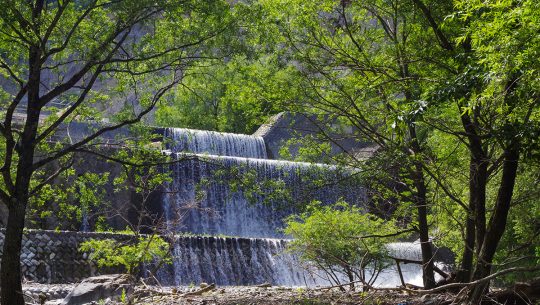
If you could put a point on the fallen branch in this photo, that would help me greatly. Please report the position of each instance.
(200, 291)
(487, 278)
(440, 288)
(336, 286)
(141, 294)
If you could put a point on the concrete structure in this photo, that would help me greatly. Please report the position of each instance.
(54, 256)
(287, 126)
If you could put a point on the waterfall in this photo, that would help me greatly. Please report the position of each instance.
(224, 185)
(215, 143)
(405, 250)
(247, 197)
(253, 261)
(235, 261)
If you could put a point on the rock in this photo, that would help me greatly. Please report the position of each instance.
(427, 299)
(99, 288)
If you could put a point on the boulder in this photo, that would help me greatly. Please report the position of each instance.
(98, 288)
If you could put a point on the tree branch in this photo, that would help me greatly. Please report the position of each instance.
(443, 41)
(98, 133)
(49, 179)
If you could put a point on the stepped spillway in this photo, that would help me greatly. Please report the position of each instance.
(253, 261)
(247, 197)
(235, 261)
(225, 188)
(235, 195)
(224, 185)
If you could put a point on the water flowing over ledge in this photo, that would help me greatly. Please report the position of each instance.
(224, 184)
(247, 197)
(231, 261)
(214, 143)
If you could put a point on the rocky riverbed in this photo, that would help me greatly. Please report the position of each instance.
(288, 296)
(243, 295)
(35, 292)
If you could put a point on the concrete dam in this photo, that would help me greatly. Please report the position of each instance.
(230, 226)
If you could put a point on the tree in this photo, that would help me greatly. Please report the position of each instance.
(355, 66)
(499, 116)
(235, 96)
(434, 84)
(130, 255)
(67, 61)
(341, 240)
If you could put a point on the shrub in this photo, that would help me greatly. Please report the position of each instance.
(342, 241)
(130, 255)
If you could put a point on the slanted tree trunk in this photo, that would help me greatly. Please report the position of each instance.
(497, 224)
(10, 277)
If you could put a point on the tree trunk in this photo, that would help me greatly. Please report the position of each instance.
(476, 216)
(350, 275)
(464, 273)
(475, 229)
(478, 182)
(425, 244)
(10, 277)
(497, 224)
(420, 199)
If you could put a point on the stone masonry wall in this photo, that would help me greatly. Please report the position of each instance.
(54, 257)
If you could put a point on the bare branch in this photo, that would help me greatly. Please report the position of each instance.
(98, 133)
(10, 71)
(49, 179)
(473, 283)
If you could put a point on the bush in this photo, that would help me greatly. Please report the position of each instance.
(130, 255)
(342, 241)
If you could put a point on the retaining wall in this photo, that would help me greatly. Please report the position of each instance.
(54, 257)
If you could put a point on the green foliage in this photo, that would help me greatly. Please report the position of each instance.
(123, 296)
(130, 255)
(306, 149)
(410, 79)
(106, 66)
(233, 96)
(340, 239)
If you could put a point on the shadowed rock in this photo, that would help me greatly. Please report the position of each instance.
(100, 288)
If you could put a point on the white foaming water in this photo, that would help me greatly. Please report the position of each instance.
(215, 143)
(247, 197)
(222, 188)
(234, 261)
(405, 250)
(251, 261)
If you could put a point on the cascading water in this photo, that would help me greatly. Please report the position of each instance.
(214, 143)
(223, 184)
(235, 261)
(247, 197)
